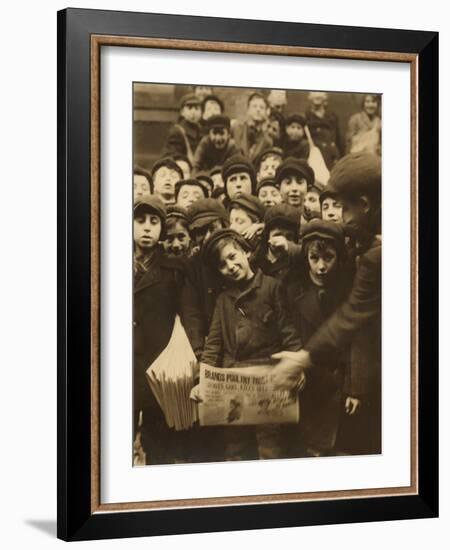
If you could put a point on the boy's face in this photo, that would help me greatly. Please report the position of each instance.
(355, 212)
(211, 108)
(311, 205)
(331, 210)
(202, 234)
(239, 182)
(239, 220)
(257, 109)
(188, 195)
(219, 137)
(370, 105)
(318, 99)
(322, 262)
(164, 180)
(178, 240)
(141, 186)
(147, 230)
(191, 112)
(217, 180)
(185, 168)
(293, 188)
(268, 167)
(234, 264)
(269, 195)
(295, 131)
(273, 129)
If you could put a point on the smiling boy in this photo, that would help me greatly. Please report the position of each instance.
(293, 178)
(217, 146)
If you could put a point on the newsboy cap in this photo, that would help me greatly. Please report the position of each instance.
(205, 211)
(282, 214)
(218, 121)
(356, 174)
(217, 236)
(323, 229)
(293, 165)
(249, 203)
(238, 163)
(154, 205)
(189, 99)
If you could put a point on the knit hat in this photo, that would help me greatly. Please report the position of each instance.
(169, 163)
(205, 179)
(282, 214)
(153, 204)
(296, 117)
(249, 203)
(192, 181)
(264, 154)
(212, 97)
(205, 211)
(323, 229)
(266, 182)
(189, 99)
(293, 165)
(217, 236)
(218, 121)
(357, 174)
(238, 163)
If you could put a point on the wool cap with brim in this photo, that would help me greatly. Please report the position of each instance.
(206, 179)
(218, 121)
(292, 165)
(282, 214)
(327, 194)
(266, 182)
(154, 205)
(212, 97)
(356, 174)
(217, 236)
(205, 211)
(177, 212)
(215, 170)
(238, 163)
(323, 229)
(189, 99)
(192, 182)
(266, 153)
(295, 117)
(249, 203)
(168, 162)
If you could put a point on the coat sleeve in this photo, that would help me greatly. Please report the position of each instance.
(290, 337)
(175, 141)
(213, 352)
(200, 154)
(362, 305)
(191, 312)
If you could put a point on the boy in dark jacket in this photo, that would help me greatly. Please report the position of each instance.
(184, 135)
(250, 322)
(295, 143)
(315, 291)
(157, 281)
(216, 147)
(356, 179)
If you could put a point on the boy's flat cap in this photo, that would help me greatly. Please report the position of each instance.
(323, 229)
(266, 182)
(238, 163)
(293, 165)
(217, 236)
(178, 212)
(218, 121)
(355, 174)
(206, 211)
(189, 99)
(295, 117)
(264, 154)
(282, 214)
(249, 203)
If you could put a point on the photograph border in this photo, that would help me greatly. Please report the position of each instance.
(81, 35)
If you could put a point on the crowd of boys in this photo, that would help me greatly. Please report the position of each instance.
(263, 263)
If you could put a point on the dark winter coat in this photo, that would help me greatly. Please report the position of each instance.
(326, 135)
(155, 305)
(250, 325)
(206, 156)
(179, 133)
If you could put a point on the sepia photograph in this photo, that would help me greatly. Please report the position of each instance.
(257, 280)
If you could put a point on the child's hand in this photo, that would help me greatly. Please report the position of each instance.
(195, 394)
(278, 243)
(254, 229)
(352, 405)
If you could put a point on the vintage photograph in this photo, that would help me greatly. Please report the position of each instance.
(256, 273)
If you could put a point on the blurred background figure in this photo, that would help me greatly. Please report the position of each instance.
(277, 100)
(364, 128)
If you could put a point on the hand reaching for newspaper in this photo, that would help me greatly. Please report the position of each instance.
(352, 405)
(254, 229)
(289, 374)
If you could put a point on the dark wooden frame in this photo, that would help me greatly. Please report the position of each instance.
(81, 33)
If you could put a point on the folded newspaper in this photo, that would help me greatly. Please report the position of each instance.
(242, 396)
(171, 378)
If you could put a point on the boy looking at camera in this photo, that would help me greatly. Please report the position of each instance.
(216, 147)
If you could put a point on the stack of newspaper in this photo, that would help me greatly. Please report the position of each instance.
(171, 378)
